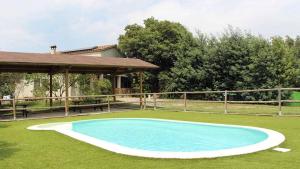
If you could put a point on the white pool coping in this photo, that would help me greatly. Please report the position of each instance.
(274, 139)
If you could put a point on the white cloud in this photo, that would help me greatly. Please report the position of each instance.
(213, 16)
(34, 24)
(101, 28)
(14, 38)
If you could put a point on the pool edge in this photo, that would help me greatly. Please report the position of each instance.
(274, 139)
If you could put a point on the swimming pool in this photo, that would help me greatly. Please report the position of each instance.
(159, 138)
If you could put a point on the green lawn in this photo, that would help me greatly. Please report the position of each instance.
(203, 107)
(24, 149)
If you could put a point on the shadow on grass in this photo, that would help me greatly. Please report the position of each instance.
(3, 125)
(7, 149)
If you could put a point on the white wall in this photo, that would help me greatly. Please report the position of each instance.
(107, 53)
(23, 89)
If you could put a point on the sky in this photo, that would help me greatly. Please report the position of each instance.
(34, 25)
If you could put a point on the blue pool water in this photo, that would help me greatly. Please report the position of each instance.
(168, 136)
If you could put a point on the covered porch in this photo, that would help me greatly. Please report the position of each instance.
(68, 64)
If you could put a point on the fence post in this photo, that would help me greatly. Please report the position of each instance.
(145, 102)
(141, 101)
(108, 104)
(154, 101)
(14, 108)
(184, 100)
(279, 102)
(225, 101)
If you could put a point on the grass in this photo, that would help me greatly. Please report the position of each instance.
(178, 104)
(232, 108)
(21, 148)
(295, 96)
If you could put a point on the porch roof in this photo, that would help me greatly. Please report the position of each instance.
(56, 63)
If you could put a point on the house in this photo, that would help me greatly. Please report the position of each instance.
(122, 82)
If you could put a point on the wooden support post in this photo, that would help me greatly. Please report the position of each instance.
(154, 101)
(141, 88)
(145, 101)
(119, 82)
(108, 104)
(184, 100)
(225, 101)
(14, 108)
(51, 88)
(114, 86)
(66, 92)
(279, 103)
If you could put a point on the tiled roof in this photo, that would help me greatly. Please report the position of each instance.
(16, 61)
(90, 49)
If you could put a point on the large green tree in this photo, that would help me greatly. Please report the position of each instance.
(228, 60)
(160, 42)
(188, 74)
(234, 60)
(239, 60)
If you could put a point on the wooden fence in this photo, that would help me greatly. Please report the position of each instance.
(108, 100)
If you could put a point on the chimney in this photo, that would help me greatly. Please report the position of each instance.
(53, 49)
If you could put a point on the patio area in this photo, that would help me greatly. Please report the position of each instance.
(74, 111)
(66, 64)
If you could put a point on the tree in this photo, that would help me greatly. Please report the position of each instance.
(188, 74)
(42, 87)
(228, 60)
(91, 85)
(235, 60)
(297, 47)
(8, 82)
(87, 84)
(160, 42)
(285, 63)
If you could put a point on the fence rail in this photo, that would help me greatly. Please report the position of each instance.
(151, 100)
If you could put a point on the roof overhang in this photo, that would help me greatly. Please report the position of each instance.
(49, 63)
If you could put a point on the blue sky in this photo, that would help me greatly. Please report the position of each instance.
(34, 25)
